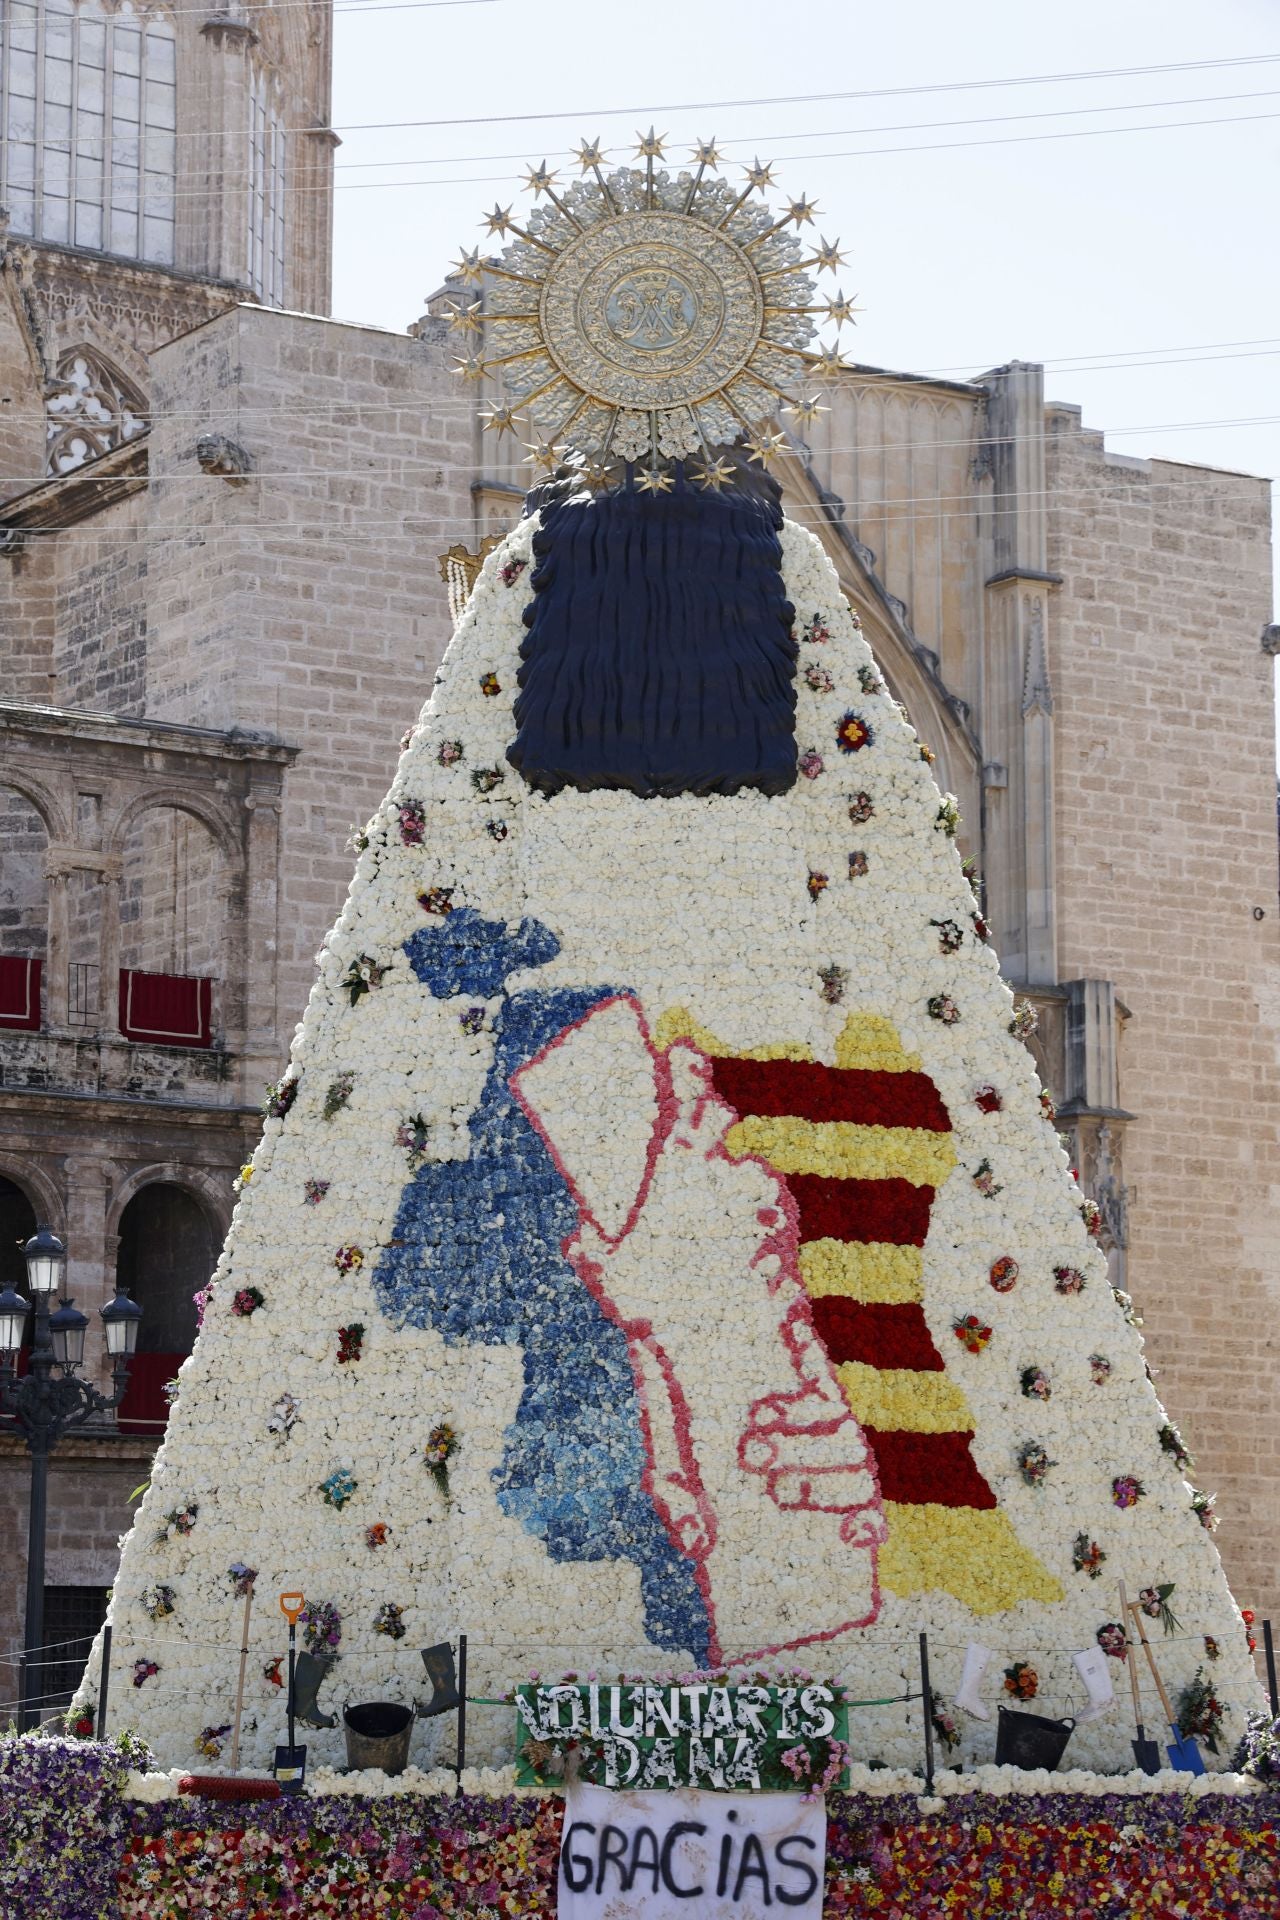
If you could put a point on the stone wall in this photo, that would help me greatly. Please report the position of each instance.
(24, 892)
(305, 600)
(1167, 870)
(89, 1486)
(173, 896)
(100, 652)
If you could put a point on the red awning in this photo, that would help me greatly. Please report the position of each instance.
(144, 1409)
(19, 994)
(168, 1009)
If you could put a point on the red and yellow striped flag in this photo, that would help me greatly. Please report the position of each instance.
(863, 1147)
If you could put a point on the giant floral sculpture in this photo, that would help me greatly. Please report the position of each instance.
(660, 1123)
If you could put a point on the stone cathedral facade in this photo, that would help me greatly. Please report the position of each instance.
(222, 517)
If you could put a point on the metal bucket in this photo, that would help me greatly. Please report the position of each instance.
(378, 1735)
(1028, 1740)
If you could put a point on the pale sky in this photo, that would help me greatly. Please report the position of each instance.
(1156, 248)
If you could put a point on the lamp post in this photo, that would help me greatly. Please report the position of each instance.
(48, 1400)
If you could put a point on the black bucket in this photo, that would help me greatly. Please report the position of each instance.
(1028, 1740)
(378, 1735)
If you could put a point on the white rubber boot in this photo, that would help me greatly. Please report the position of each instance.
(1093, 1667)
(976, 1661)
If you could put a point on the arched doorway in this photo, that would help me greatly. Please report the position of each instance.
(166, 1255)
(24, 910)
(18, 1222)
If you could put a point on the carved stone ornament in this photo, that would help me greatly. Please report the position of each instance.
(90, 408)
(215, 453)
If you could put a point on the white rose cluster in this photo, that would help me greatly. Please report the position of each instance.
(500, 1153)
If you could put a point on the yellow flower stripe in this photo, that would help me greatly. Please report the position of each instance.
(899, 1400)
(875, 1271)
(845, 1149)
(869, 1040)
(677, 1023)
(964, 1551)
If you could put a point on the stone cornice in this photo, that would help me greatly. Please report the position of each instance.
(224, 30)
(112, 1113)
(142, 274)
(71, 497)
(1032, 574)
(204, 743)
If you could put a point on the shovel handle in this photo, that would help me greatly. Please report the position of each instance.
(1136, 1611)
(1131, 1662)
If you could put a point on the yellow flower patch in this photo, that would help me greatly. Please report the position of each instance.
(845, 1149)
(677, 1023)
(899, 1400)
(875, 1272)
(971, 1553)
(869, 1040)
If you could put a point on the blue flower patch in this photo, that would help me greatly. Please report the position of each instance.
(478, 1258)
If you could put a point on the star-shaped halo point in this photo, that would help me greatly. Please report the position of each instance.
(706, 154)
(829, 362)
(766, 446)
(589, 154)
(541, 453)
(841, 309)
(760, 176)
(715, 474)
(467, 319)
(806, 409)
(468, 266)
(470, 367)
(654, 480)
(499, 221)
(500, 420)
(651, 145)
(828, 255)
(540, 179)
(802, 211)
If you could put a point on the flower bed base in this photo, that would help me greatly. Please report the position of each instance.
(74, 1844)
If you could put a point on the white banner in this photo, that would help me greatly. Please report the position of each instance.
(719, 1856)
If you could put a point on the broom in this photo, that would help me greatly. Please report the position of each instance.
(216, 1786)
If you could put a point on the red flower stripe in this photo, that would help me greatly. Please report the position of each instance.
(806, 1090)
(914, 1468)
(933, 1468)
(878, 1335)
(861, 1210)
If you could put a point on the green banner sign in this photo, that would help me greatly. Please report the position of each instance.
(750, 1739)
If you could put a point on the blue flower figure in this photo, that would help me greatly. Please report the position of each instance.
(477, 1257)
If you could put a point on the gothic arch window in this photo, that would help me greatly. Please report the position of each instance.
(89, 409)
(88, 111)
(265, 264)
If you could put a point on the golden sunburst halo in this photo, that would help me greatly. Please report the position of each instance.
(646, 317)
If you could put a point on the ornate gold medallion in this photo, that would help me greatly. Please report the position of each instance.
(652, 310)
(643, 318)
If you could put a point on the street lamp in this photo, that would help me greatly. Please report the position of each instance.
(49, 1399)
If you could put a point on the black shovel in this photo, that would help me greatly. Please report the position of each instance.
(1145, 1752)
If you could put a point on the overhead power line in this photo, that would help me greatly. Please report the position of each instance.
(588, 115)
(328, 517)
(1263, 347)
(748, 141)
(585, 114)
(834, 133)
(850, 153)
(295, 190)
(390, 469)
